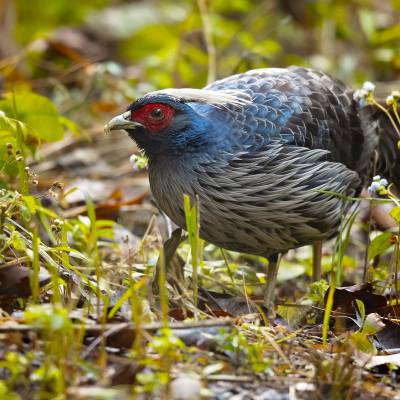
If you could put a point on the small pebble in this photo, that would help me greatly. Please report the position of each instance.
(186, 387)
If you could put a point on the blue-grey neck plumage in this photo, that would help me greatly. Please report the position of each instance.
(264, 151)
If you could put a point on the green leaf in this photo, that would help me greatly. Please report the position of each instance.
(361, 309)
(70, 125)
(372, 324)
(25, 212)
(7, 163)
(395, 214)
(379, 244)
(30, 202)
(368, 22)
(317, 291)
(125, 297)
(363, 343)
(327, 314)
(37, 112)
(290, 270)
(17, 242)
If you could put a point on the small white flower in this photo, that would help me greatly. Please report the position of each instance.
(138, 162)
(393, 98)
(377, 184)
(133, 161)
(390, 100)
(368, 87)
(396, 94)
(374, 187)
(360, 94)
(383, 182)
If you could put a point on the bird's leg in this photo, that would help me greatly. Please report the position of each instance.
(317, 258)
(272, 273)
(170, 259)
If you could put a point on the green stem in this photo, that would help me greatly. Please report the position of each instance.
(163, 289)
(35, 266)
(396, 113)
(388, 115)
(192, 227)
(23, 175)
(328, 311)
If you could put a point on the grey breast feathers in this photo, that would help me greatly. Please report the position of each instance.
(260, 203)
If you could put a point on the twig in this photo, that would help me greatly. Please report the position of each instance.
(98, 328)
(104, 334)
(276, 347)
(17, 261)
(230, 378)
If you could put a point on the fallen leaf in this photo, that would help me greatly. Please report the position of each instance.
(345, 296)
(381, 360)
(389, 336)
(15, 282)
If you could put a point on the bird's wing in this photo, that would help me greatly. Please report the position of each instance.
(303, 107)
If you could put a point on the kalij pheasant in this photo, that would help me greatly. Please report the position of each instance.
(264, 151)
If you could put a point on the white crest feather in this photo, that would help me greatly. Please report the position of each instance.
(216, 98)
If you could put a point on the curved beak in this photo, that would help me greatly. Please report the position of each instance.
(121, 122)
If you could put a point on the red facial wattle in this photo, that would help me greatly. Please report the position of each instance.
(154, 116)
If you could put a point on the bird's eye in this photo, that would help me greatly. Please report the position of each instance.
(154, 116)
(157, 114)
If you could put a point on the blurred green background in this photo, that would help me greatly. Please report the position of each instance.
(101, 53)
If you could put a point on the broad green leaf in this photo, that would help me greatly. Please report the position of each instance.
(35, 111)
(379, 244)
(395, 214)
